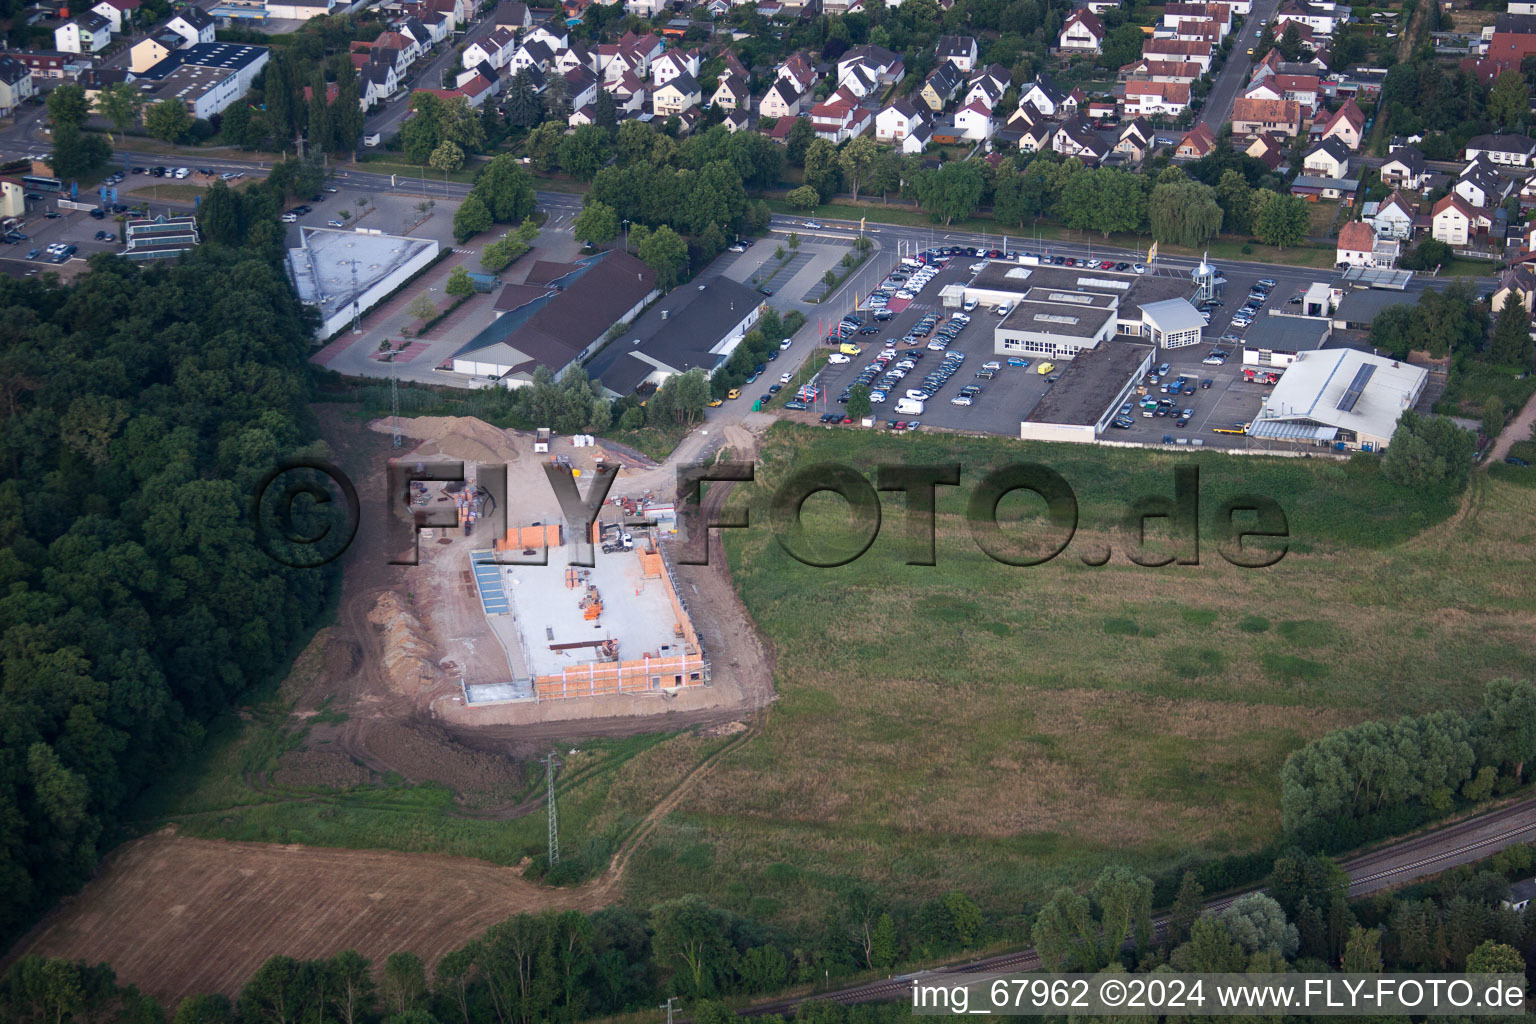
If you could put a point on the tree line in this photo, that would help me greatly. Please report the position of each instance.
(1423, 765)
(141, 405)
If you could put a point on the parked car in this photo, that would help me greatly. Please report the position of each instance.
(812, 224)
(797, 405)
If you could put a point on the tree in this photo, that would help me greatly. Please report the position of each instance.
(829, 278)
(664, 251)
(1258, 924)
(219, 217)
(471, 218)
(447, 157)
(605, 113)
(522, 105)
(167, 120)
(1105, 199)
(1186, 213)
(352, 983)
(858, 405)
(77, 153)
(1187, 906)
(67, 107)
(1121, 46)
(346, 113)
(506, 190)
(823, 171)
(954, 190)
(803, 198)
(544, 146)
(1280, 220)
(1509, 101)
(423, 308)
(1362, 951)
(1236, 199)
(856, 160)
(1290, 41)
(459, 285)
(1511, 345)
(419, 135)
(799, 140)
(320, 133)
(690, 941)
(120, 103)
(794, 240)
(405, 981)
(584, 151)
(1432, 452)
(596, 223)
(1492, 957)
(883, 943)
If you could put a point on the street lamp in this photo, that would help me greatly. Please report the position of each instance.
(626, 238)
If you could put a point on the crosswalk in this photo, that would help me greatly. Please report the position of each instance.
(465, 252)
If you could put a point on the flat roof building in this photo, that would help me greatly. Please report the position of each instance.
(1339, 398)
(346, 273)
(1080, 406)
(1172, 323)
(697, 326)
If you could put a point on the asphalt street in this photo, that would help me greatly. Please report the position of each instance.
(1233, 74)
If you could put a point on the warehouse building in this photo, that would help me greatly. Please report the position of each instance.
(1278, 340)
(1339, 398)
(1080, 406)
(1056, 323)
(346, 273)
(1172, 323)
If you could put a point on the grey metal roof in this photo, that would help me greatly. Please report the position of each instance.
(677, 333)
(1089, 383)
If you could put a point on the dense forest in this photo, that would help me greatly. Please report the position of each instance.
(140, 404)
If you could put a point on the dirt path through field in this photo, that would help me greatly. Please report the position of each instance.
(1517, 429)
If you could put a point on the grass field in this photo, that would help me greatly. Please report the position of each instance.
(1000, 730)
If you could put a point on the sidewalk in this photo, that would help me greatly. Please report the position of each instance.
(1517, 429)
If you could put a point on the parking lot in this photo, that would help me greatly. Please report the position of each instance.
(1003, 400)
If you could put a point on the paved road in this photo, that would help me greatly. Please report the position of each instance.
(1234, 73)
(1394, 864)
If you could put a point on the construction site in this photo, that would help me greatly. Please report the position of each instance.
(513, 622)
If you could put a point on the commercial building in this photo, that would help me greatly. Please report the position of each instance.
(346, 273)
(1172, 323)
(582, 302)
(207, 77)
(1339, 398)
(161, 238)
(694, 327)
(1080, 406)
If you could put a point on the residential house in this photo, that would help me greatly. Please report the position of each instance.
(1149, 70)
(1135, 140)
(737, 120)
(1197, 142)
(15, 84)
(1301, 88)
(860, 81)
(940, 86)
(1405, 168)
(1357, 242)
(87, 33)
(680, 94)
(508, 14)
(1327, 159)
(885, 66)
(993, 77)
(1082, 32)
(1454, 221)
(1482, 185)
(731, 93)
(983, 88)
(1394, 217)
(974, 121)
(1517, 284)
(1046, 96)
(1270, 149)
(1178, 50)
(1196, 30)
(581, 85)
(117, 12)
(45, 65)
(781, 101)
(1513, 40)
(799, 72)
(569, 59)
(1253, 117)
(1322, 17)
(1347, 125)
(958, 50)
(897, 120)
(1156, 99)
(495, 49)
(917, 140)
(377, 81)
(673, 64)
(1074, 138)
(840, 116)
(1504, 150)
(1037, 137)
(629, 94)
(193, 24)
(1175, 12)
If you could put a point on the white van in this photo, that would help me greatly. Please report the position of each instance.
(372, 140)
(910, 407)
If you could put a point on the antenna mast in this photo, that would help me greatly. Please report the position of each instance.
(552, 762)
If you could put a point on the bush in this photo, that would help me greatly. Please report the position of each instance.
(1253, 624)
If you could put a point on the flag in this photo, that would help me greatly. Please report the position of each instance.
(1152, 253)
(861, 224)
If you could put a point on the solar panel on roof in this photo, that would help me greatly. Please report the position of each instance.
(1356, 387)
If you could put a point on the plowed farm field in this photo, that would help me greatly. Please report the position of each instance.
(178, 916)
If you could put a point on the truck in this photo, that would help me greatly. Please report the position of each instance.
(541, 440)
(372, 140)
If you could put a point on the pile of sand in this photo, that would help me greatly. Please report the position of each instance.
(460, 437)
(407, 652)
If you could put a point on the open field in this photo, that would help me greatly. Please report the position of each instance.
(1001, 730)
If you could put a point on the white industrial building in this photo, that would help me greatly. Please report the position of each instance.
(347, 273)
(207, 77)
(1080, 406)
(1172, 323)
(1339, 398)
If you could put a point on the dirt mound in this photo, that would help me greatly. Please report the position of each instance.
(318, 768)
(459, 437)
(422, 752)
(407, 651)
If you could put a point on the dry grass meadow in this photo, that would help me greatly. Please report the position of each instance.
(1000, 730)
